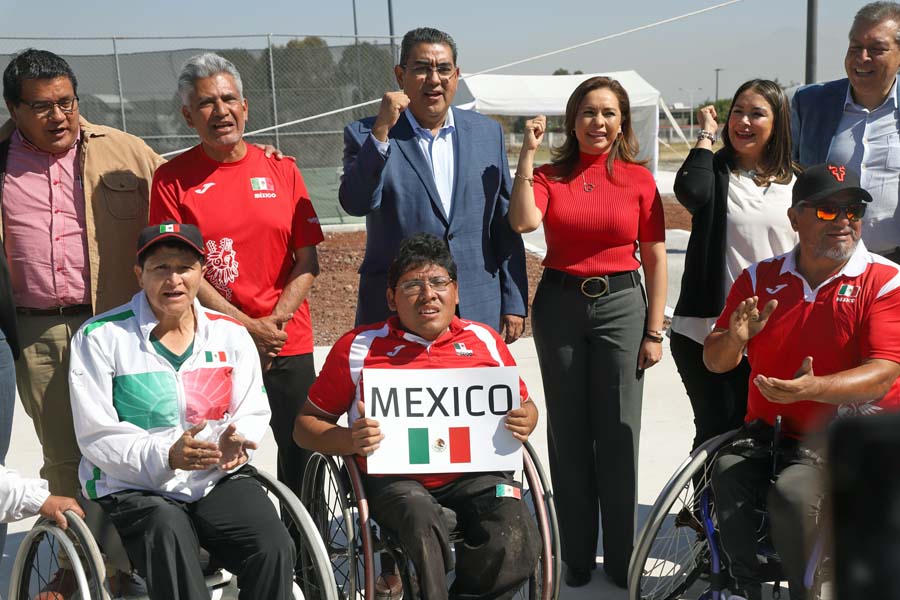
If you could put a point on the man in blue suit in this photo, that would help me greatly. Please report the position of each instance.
(420, 166)
(856, 121)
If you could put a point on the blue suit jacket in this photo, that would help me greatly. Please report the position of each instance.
(816, 112)
(398, 197)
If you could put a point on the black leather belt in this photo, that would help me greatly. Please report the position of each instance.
(594, 287)
(75, 309)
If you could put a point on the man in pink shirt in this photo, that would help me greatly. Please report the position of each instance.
(74, 198)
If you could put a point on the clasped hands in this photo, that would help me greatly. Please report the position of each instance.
(192, 454)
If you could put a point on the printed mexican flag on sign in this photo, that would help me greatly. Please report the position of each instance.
(261, 183)
(444, 445)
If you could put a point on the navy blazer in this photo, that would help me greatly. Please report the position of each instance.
(398, 197)
(816, 112)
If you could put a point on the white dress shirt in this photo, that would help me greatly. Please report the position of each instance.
(438, 151)
(756, 228)
(868, 142)
(20, 497)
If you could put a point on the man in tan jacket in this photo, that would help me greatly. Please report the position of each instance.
(74, 198)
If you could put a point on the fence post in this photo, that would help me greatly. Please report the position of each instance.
(274, 99)
(119, 85)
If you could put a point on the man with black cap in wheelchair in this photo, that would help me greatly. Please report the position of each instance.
(500, 540)
(821, 328)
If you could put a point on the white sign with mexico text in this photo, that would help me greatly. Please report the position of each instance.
(442, 420)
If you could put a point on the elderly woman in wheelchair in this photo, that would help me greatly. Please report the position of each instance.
(168, 403)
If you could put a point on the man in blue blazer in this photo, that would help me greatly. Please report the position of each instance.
(420, 166)
(856, 121)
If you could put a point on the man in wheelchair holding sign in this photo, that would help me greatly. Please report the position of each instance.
(500, 540)
(821, 328)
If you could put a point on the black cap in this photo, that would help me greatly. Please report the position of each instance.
(170, 230)
(822, 181)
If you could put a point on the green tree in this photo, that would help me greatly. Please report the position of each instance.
(561, 72)
(367, 69)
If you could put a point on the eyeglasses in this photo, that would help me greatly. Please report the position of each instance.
(421, 71)
(829, 212)
(43, 108)
(414, 287)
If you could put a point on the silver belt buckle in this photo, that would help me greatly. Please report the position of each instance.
(605, 282)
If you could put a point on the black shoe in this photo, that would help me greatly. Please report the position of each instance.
(620, 579)
(576, 577)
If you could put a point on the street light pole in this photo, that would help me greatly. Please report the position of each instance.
(690, 93)
(811, 18)
(391, 30)
(717, 83)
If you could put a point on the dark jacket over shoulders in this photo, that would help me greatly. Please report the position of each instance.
(7, 306)
(701, 186)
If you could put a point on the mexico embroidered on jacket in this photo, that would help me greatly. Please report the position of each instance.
(130, 405)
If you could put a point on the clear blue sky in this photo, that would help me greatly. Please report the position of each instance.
(753, 38)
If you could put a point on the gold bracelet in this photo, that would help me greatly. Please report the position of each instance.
(530, 180)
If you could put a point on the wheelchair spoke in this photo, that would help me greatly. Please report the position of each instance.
(680, 553)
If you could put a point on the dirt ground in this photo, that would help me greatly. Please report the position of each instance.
(333, 297)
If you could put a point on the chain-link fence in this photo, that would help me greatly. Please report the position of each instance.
(127, 84)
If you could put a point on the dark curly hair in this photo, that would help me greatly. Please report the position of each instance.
(420, 250)
(34, 64)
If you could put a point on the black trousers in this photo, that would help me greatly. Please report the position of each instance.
(588, 352)
(287, 385)
(741, 486)
(501, 543)
(235, 522)
(719, 400)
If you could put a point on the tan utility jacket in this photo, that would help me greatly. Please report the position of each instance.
(117, 171)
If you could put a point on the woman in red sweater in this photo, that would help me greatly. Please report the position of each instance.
(594, 328)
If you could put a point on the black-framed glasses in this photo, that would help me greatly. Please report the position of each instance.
(830, 212)
(43, 108)
(423, 71)
(414, 287)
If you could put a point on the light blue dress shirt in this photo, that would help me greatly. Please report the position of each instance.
(869, 143)
(438, 151)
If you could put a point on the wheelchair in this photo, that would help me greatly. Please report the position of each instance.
(44, 546)
(678, 553)
(333, 492)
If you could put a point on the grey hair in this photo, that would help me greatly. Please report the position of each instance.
(201, 66)
(876, 12)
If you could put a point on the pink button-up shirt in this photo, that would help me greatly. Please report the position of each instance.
(45, 234)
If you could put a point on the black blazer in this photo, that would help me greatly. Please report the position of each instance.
(701, 186)
(7, 306)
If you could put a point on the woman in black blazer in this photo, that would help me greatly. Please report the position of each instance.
(738, 199)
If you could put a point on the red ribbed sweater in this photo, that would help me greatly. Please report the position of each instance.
(597, 232)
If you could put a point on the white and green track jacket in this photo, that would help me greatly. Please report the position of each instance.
(130, 405)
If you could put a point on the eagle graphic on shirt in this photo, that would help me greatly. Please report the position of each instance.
(221, 265)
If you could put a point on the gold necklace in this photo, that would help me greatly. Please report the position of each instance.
(587, 187)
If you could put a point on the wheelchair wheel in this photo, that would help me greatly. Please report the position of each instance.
(536, 492)
(313, 578)
(333, 511)
(673, 550)
(46, 548)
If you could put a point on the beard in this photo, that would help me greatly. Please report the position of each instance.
(837, 253)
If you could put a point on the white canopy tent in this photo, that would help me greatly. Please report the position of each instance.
(530, 95)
